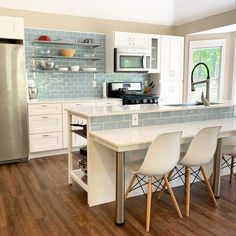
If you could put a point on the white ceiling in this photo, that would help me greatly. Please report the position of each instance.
(162, 12)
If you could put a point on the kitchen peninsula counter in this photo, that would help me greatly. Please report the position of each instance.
(113, 141)
(139, 108)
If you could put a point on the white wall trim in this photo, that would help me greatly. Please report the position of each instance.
(234, 76)
(208, 43)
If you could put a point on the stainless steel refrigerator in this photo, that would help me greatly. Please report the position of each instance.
(13, 103)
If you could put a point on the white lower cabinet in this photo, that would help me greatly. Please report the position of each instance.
(48, 127)
(45, 141)
(45, 127)
(170, 92)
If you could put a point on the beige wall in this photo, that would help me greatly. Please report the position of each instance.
(226, 18)
(223, 19)
(229, 63)
(76, 23)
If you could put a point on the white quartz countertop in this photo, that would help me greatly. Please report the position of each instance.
(73, 100)
(128, 139)
(87, 111)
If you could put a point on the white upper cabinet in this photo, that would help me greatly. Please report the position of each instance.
(124, 40)
(155, 53)
(130, 40)
(11, 27)
(172, 55)
(171, 69)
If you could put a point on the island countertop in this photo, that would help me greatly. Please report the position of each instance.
(88, 112)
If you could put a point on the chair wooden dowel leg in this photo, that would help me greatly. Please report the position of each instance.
(164, 185)
(173, 197)
(209, 187)
(231, 169)
(149, 199)
(130, 185)
(187, 190)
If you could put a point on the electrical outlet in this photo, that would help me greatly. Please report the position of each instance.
(94, 83)
(134, 119)
(234, 111)
(145, 83)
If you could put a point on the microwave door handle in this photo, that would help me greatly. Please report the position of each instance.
(144, 62)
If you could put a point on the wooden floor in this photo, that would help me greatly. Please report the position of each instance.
(35, 199)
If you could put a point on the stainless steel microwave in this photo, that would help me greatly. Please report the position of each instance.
(132, 60)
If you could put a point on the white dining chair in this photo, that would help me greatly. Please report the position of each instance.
(161, 157)
(200, 152)
(229, 155)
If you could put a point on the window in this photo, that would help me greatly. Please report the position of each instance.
(212, 53)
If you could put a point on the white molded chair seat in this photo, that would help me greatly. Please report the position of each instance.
(159, 160)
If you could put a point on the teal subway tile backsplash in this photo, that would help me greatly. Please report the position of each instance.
(161, 118)
(59, 85)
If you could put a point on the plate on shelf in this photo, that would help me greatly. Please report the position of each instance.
(63, 68)
(89, 69)
(88, 55)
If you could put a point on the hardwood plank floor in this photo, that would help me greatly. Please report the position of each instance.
(35, 199)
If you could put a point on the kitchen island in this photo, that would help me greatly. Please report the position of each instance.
(113, 140)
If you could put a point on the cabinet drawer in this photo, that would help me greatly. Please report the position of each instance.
(46, 123)
(109, 103)
(44, 109)
(45, 142)
(77, 104)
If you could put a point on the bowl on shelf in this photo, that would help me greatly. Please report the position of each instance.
(88, 54)
(46, 64)
(45, 52)
(89, 69)
(74, 68)
(67, 52)
(44, 38)
(88, 40)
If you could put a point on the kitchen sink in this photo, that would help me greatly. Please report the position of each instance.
(191, 104)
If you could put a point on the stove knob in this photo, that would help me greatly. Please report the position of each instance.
(144, 101)
(136, 101)
(141, 101)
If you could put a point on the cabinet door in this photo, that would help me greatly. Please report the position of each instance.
(131, 40)
(170, 92)
(165, 58)
(11, 27)
(175, 95)
(45, 142)
(45, 123)
(172, 49)
(176, 57)
(155, 53)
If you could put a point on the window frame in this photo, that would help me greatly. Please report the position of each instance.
(208, 44)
